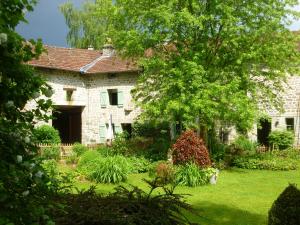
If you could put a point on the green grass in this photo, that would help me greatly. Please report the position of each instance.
(241, 197)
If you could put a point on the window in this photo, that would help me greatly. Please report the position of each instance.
(289, 123)
(113, 96)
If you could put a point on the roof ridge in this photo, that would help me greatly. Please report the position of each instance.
(70, 48)
(85, 68)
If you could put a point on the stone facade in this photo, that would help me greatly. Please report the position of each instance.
(87, 89)
(290, 117)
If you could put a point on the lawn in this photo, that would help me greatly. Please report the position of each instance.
(241, 197)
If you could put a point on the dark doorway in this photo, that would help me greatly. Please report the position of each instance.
(128, 128)
(263, 132)
(67, 120)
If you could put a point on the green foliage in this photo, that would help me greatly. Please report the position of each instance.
(51, 167)
(112, 169)
(88, 161)
(123, 207)
(50, 152)
(275, 160)
(191, 175)
(23, 184)
(243, 144)
(79, 149)
(281, 139)
(72, 158)
(286, 208)
(150, 129)
(46, 134)
(138, 164)
(120, 145)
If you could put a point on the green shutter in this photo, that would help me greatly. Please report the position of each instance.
(102, 133)
(103, 99)
(120, 99)
(118, 128)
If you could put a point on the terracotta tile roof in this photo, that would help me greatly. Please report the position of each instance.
(82, 60)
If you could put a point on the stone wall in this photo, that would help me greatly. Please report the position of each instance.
(86, 93)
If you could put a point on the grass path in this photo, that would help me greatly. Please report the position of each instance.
(241, 197)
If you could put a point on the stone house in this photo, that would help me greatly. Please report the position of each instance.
(90, 86)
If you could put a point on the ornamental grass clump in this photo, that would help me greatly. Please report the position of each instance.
(190, 148)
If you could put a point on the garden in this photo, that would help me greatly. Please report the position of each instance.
(228, 184)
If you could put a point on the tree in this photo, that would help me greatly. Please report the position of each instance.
(217, 61)
(88, 27)
(22, 183)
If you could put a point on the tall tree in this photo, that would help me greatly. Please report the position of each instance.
(214, 60)
(88, 26)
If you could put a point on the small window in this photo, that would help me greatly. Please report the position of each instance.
(289, 123)
(113, 96)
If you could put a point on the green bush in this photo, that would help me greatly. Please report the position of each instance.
(72, 158)
(46, 134)
(88, 162)
(112, 169)
(244, 144)
(105, 150)
(50, 152)
(79, 149)
(138, 164)
(265, 164)
(191, 175)
(51, 167)
(286, 208)
(275, 160)
(281, 139)
(123, 207)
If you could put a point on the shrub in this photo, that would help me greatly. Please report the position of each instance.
(123, 207)
(265, 164)
(72, 158)
(88, 161)
(163, 171)
(138, 164)
(105, 150)
(286, 208)
(51, 167)
(244, 144)
(79, 149)
(188, 147)
(275, 160)
(281, 139)
(120, 145)
(191, 175)
(46, 134)
(112, 169)
(50, 152)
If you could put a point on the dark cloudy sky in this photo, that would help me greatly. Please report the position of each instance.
(48, 23)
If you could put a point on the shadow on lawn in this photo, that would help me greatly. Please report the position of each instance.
(215, 214)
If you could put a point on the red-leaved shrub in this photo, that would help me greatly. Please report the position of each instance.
(188, 147)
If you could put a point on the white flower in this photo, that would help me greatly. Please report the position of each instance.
(3, 38)
(32, 165)
(39, 174)
(36, 95)
(9, 104)
(25, 193)
(19, 158)
(27, 140)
